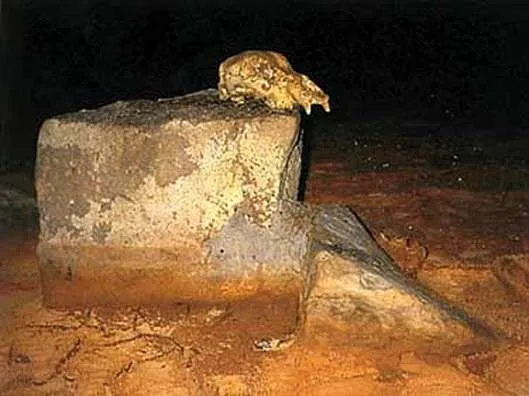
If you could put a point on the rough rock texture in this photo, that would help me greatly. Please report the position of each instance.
(344, 294)
(192, 199)
(150, 202)
(354, 274)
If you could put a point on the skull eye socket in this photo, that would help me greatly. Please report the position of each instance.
(306, 94)
(265, 85)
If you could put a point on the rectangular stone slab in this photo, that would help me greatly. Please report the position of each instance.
(157, 202)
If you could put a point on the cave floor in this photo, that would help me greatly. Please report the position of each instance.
(450, 205)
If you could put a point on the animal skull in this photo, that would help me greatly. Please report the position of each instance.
(268, 76)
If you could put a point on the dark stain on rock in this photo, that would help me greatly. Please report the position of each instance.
(61, 191)
(69, 273)
(100, 231)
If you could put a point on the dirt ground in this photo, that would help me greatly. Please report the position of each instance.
(450, 205)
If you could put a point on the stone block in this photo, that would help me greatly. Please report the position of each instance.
(346, 296)
(158, 202)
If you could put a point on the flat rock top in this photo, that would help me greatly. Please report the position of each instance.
(197, 107)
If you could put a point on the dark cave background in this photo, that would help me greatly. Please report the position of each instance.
(446, 61)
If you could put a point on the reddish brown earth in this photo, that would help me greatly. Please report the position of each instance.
(452, 209)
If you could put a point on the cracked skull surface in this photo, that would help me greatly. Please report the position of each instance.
(268, 76)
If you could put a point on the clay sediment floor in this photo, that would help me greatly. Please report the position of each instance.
(452, 209)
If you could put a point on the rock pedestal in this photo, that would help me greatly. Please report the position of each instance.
(159, 202)
(192, 200)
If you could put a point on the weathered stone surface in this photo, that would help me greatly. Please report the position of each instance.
(342, 289)
(193, 199)
(355, 280)
(153, 202)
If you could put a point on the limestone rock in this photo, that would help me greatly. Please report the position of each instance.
(140, 202)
